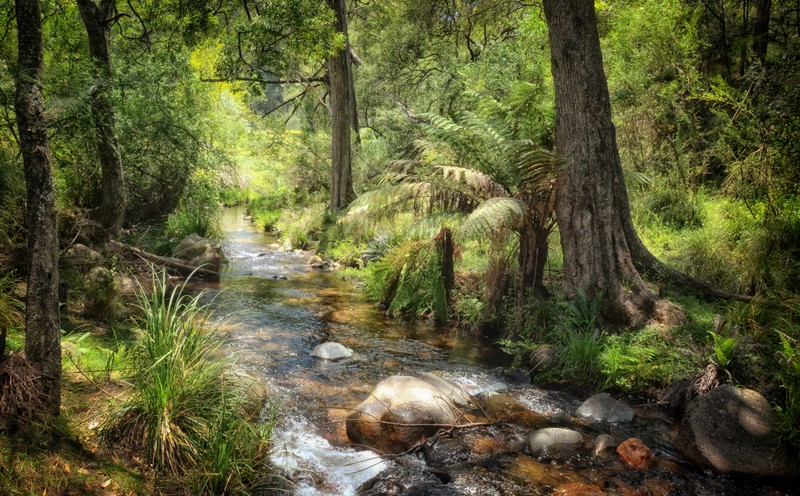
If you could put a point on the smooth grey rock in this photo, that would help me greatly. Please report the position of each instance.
(197, 252)
(398, 412)
(732, 430)
(604, 445)
(81, 257)
(452, 391)
(331, 351)
(603, 408)
(552, 439)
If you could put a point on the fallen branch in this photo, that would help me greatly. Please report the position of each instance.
(178, 266)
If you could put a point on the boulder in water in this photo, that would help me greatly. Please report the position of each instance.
(197, 251)
(451, 391)
(732, 430)
(603, 408)
(398, 413)
(331, 351)
(553, 440)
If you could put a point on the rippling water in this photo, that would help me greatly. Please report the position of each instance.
(275, 309)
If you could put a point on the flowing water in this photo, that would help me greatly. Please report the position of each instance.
(275, 309)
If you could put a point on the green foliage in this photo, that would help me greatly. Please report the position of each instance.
(789, 377)
(298, 227)
(187, 410)
(198, 211)
(723, 349)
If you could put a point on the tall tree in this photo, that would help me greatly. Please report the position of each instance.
(42, 319)
(98, 19)
(592, 203)
(342, 102)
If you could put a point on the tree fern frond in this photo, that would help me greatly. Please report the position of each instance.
(491, 218)
(539, 170)
(482, 184)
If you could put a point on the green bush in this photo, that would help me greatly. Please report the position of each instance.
(187, 413)
(198, 211)
(298, 227)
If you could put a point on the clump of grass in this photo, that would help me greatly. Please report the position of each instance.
(299, 227)
(187, 414)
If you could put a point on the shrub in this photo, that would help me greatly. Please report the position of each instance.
(298, 227)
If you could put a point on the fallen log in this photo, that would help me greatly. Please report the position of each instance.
(176, 265)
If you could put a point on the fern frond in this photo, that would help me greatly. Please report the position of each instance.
(491, 218)
(481, 184)
(539, 170)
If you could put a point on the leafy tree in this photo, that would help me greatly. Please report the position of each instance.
(98, 18)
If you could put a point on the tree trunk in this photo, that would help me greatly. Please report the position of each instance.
(592, 202)
(97, 20)
(339, 79)
(532, 259)
(42, 319)
(761, 29)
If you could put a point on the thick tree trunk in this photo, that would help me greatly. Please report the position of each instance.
(592, 202)
(339, 79)
(42, 318)
(97, 20)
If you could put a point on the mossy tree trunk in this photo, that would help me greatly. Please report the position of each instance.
(98, 19)
(592, 203)
(42, 316)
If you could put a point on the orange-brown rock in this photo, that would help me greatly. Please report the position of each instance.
(635, 454)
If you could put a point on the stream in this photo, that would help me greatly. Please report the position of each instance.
(275, 308)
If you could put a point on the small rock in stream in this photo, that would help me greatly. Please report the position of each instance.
(604, 445)
(331, 351)
(603, 408)
(635, 454)
(553, 439)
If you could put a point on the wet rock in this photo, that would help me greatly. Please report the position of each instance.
(732, 430)
(81, 257)
(197, 251)
(451, 391)
(501, 407)
(603, 408)
(635, 454)
(316, 262)
(604, 445)
(398, 413)
(409, 476)
(553, 439)
(331, 351)
(578, 489)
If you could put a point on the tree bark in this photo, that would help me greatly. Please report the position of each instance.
(761, 29)
(341, 107)
(533, 247)
(42, 317)
(592, 203)
(97, 20)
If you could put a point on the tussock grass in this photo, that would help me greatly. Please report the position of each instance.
(187, 413)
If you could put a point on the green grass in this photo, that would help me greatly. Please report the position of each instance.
(187, 412)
